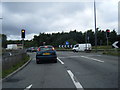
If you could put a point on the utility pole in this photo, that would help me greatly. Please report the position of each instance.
(86, 40)
(95, 26)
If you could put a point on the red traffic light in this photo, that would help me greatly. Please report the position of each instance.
(107, 30)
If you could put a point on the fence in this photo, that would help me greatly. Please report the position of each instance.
(12, 59)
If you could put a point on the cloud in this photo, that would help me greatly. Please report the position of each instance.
(55, 17)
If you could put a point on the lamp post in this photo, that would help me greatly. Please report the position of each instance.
(95, 26)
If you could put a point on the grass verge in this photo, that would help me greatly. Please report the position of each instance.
(15, 67)
(114, 53)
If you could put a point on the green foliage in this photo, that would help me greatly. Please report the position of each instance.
(73, 37)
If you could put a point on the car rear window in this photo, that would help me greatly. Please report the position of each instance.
(45, 48)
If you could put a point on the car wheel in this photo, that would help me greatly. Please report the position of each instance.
(55, 61)
(37, 62)
(74, 50)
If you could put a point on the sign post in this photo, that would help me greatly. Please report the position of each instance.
(107, 35)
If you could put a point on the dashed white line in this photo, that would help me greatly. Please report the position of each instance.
(60, 61)
(27, 88)
(93, 59)
(75, 81)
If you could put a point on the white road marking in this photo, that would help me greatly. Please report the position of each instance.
(27, 88)
(75, 81)
(69, 56)
(93, 59)
(60, 61)
(94, 55)
(74, 56)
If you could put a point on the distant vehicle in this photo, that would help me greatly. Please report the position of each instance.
(11, 46)
(46, 53)
(82, 47)
(32, 49)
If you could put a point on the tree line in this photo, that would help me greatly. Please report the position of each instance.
(73, 37)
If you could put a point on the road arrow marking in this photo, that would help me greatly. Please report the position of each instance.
(27, 88)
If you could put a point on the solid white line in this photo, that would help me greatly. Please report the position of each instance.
(93, 59)
(27, 88)
(75, 81)
(60, 61)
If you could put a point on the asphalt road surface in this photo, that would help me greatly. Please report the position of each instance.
(73, 71)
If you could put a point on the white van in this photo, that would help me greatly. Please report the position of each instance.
(11, 46)
(82, 47)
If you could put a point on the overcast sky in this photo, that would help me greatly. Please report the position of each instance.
(51, 17)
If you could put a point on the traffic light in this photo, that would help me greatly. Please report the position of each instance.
(22, 33)
(107, 33)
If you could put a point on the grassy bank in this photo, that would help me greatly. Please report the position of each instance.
(114, 52)
(15, 67)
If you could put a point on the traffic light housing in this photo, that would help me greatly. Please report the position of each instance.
(107, 33)
(22, 33)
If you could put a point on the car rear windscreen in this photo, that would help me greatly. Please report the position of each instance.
(45, 49)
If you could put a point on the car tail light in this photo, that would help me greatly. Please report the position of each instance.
(53, 48)
(38, 49)
(46, 46)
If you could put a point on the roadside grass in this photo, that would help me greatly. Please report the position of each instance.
(15, 67)
(113, 52)
(102, 47)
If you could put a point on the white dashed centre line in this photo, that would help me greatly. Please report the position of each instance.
(60, 61)
(93, 59)
(75, 81)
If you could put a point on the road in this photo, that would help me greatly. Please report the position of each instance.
(73, 70)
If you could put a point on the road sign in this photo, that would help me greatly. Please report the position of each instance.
(116, 44)
(67, 43)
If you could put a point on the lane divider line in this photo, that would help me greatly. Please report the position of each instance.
(27, 88)
(93, 59)
(75, 81)
(60, 61)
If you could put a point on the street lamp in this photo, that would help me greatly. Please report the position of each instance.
(95, 26)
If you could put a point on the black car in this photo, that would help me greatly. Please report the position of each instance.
(46, 53)
(32, 49)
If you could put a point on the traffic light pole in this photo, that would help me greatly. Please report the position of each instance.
(23, 36)
(107, 41)
(23, 43)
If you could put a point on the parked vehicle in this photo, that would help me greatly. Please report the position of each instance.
(82, 47)
(11, 46)
(46, 53)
